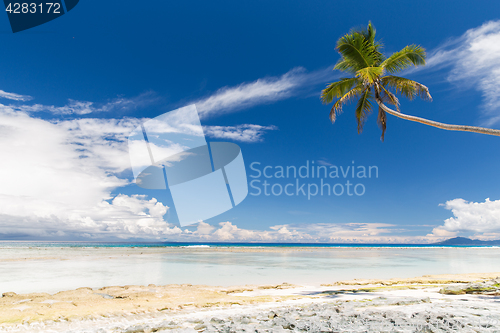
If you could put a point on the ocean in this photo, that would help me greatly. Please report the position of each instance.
(55, 266)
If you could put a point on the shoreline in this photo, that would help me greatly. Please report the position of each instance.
(115, 302)
(9, 244)
(40, 253)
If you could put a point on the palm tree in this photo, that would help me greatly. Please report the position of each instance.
(373, 79)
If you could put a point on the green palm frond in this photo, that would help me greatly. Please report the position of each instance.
(369, 74)
(338, 89)
(346, 98)
(406, 87)
(359, 49)
(363, 108)
(369, 33)
(359, 52)
(410, 55)
(346, 65)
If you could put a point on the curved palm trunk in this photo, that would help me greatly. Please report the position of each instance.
(449, 127)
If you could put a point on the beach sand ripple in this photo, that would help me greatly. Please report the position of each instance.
(363, 307)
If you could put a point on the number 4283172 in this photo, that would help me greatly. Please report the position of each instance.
(41, 8)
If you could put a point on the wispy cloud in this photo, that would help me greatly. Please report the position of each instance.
(324, 162)
(14, 97)
(85, 107)
(474, 62)
(262, 91)
(243, 133)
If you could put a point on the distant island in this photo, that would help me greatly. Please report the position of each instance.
(467, 242)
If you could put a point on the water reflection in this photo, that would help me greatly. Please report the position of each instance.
(54, 269)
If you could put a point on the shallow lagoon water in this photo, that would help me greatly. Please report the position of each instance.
(42, 268)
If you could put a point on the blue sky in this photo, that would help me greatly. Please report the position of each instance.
(82, 82)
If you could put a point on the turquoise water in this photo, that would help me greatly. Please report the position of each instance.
(55, 266)
(9, 244)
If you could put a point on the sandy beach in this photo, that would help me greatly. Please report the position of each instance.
(103, 288)
(192, 308)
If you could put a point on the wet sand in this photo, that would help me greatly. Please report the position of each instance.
(118, 301)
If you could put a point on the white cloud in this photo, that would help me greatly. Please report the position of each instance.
(243, 133)
(324, 162)
(375, 233)
(85, 107)
(261, 91)
(57, 179)
(57, 176)
(228, 232)
(123, 217)
(101, 140)
(475, 61)
(343, 232)
(477, 217)
(488, 236)
(441, 232)
(15, 97)
(204, 229)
